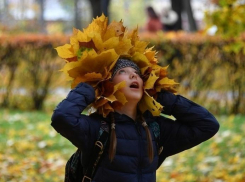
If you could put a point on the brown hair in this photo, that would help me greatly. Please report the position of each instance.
(113, 138)
(152, 13)
(149, 139)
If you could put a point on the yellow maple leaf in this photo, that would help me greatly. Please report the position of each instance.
(149, 103)
(76, 81)
(92, 76)
(140, 46)
(75, 44)
(133, 35)
(141, 60)
(166, 84)
(97, 63)
(106, 45)
(119, 86)
(98, 25)
(163, 71)
(82, 37)
(121, 97)
(114, 29)
(166, 81)
(149, 84)
(151, 55)
(123, 47)
(65, 51)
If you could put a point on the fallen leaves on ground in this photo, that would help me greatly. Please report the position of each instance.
(31, 150)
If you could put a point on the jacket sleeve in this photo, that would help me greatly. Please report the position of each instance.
(68, 120)
(193, 124)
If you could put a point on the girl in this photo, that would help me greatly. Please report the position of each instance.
(132, 153)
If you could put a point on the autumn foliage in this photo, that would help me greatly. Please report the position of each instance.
(208, 69)
(28, 64)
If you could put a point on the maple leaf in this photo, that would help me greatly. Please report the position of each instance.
(65, 51)
(93, 67)
(149, 103)
(141, 60)
(151, 55)
(114, 29)
(123, 47)
(149, 84)
(165, 83)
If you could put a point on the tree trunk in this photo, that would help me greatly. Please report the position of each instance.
(9, 59)
(4, 13)
(39, 95)
(40, 82)
(237, 97)
(42, 24)
(77, 22)
(104, 7)
(96, 8)
(191, 20)
(9, 86)
(177, 7)
(99, 7)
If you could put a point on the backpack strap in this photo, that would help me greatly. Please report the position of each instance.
(155, 128)
(156, 131)
(97, 152)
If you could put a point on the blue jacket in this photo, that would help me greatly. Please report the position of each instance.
(193, 125)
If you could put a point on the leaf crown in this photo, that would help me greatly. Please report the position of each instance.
(92, 54)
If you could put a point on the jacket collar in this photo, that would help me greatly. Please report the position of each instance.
(120, 118)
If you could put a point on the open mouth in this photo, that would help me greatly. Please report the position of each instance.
(134, 85)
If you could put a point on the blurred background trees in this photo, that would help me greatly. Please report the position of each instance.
(205, 49)
(229, 20)
(42, 15)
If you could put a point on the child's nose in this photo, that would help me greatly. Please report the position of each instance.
(133, 75)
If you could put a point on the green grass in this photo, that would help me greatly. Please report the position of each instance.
(31, 150)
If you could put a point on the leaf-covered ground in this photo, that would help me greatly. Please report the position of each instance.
(31, 150)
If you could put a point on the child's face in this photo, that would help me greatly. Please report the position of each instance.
(134, 84)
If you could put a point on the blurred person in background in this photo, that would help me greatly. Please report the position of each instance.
(153, 23)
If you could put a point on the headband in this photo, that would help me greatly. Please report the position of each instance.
(122, 63)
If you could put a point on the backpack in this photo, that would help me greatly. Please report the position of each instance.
(75, 172)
